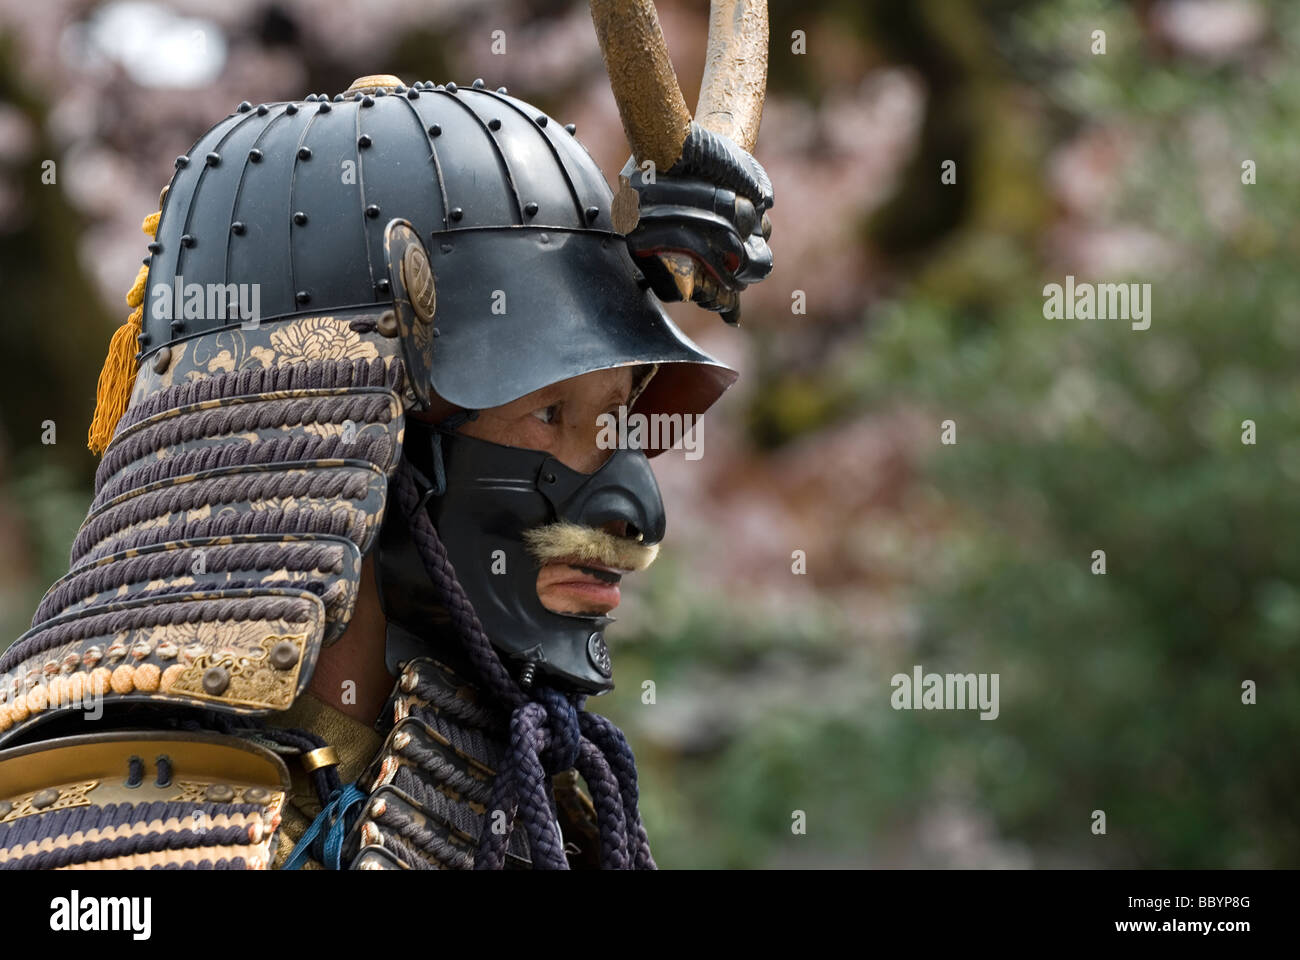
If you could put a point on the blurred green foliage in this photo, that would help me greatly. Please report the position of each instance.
(1120, 692)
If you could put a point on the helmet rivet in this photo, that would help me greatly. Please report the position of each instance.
(263, 109)
(494, 124)
(155, 247)
(530, 208)
(177, 326)
(237, 228)
(162, 360)
(367, 101)
(450, 88)
(358, 95)
(372, 211)
(501, 89)
(187, 240)
(291, 109)
(363, 141)
(310, 98)
(592, 213)
(382, 285)
(572, 128)
(255, 155)
(244, 107)
(457, 213)
(549, 478)
(541, 121)
(479, 84)
(182, 162)
(213, 159)
(323, 108)
(338, 98)
(437, 332)
(304, 153)
(399, 88)
(412, 94)
(302, 296)
(300, 218)
(435, 131)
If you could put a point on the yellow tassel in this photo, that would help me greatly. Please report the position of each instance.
(117, 378)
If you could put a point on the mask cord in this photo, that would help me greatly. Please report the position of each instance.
(449, 425)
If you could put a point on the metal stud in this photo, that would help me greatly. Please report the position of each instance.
(142, 339)
(237, 228)
(501, 89)
(177, 326)
(494, 124)
(244, 107)
(400, 88)
(162, 360)
(592, 213)
(284, 655)
(541, 120)
(258, 795)
(187, 240)
(300, 218)
(219, 793)
(155, 247)
(310, 98)
(363, 141)
(146, 260)
(291, 109)
(263, 109)
(302, 296)
(255, 155)
(572, 128)
(435, 131)
(358, 95)
(213, 159)
(450, 88)
(367, 101)
(182, 162)
(530, 209)
(323, 108)
(382, 285)
(215, 680)
(412, 94)
(372, 211)
(338, 98)
(304, 153)
(457, 213)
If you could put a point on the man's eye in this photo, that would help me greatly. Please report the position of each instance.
(547, 414)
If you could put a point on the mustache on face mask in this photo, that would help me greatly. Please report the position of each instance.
(572, 541)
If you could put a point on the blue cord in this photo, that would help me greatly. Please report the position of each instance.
(332, 819)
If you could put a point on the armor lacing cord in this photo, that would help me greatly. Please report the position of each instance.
(340, 802)
(548, 735)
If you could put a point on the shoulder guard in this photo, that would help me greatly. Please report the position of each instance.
(140, 799)
(223, 547)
